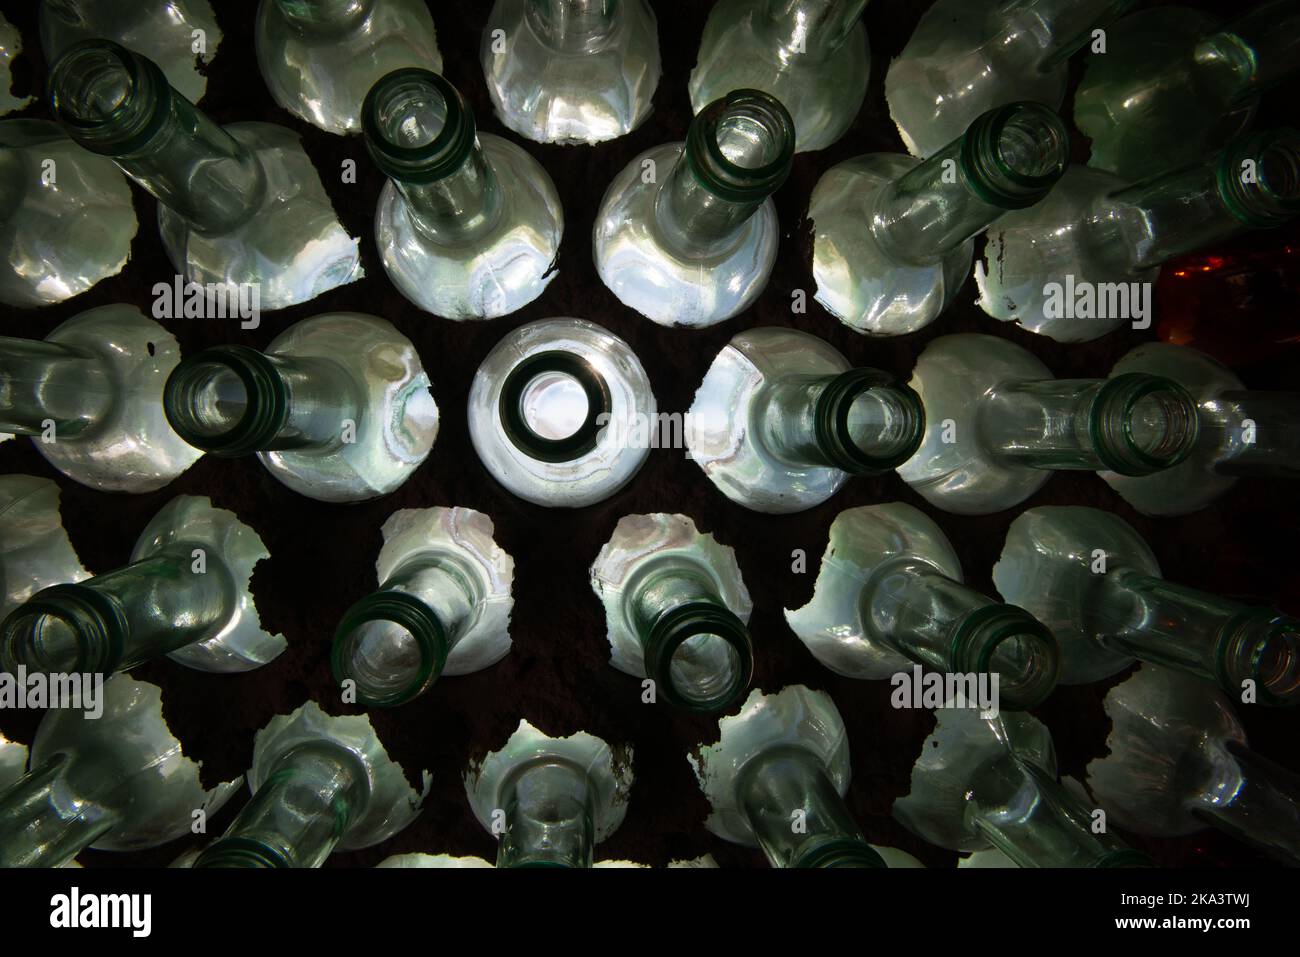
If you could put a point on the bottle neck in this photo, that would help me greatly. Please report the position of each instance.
(312, 795)
(1045, 33)
(1258, 50)
(1260, 804)
(393, 644)
(232, 400)
(549, 817)
(573, 27)
(1199, 633)
(1027, 815)
(738, 151)
(862, 421)
(1133, 424)
(1254, 433)
(942, 624)
(322, 19)
(811, 30)
(117, 103)
(1253, 184)
(798, 817)
(113, 622)
(695, 649)
(47, 382)
(46, 820)
(1009, 158)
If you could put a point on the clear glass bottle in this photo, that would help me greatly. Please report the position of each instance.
(66, 216)
(240, 204)
(687, 234)
(550, 801)
(319, 58)
(571, 71)
(443, 607)
(319, 782)
(34, 549)
(890, 596)
(468, 225)
(561, 413)
(1082, 262)
(968, 56)
(893, 237)
(1092, 579)
(1175, 84)
(1179, 762)
(116, 782)
(812, 55)
(1242, 432)
(784, 757)
(991, 783)
(337, 407)
(97, 378)
(998, 424)
(675, 610)
(11, 46)
(178, 35)
(186, 594)
(782, 421)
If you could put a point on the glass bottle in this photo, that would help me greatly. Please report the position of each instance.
(782, 421)
(66, 216)
(561, 413)
(11, 46)
(1175, 84)
(185, 594)
(97, 378)
(468, 225)
(784, 757)
(893, 237)
(550, 801)
(1179, 761)
(337, 407)
(116, 782)
(571, 71)
(1092, 579)
(811, 55)
(319, 58)
(178, 35)
(687, 233)
(998, 424)
(319, 783)
(675, 610)
(968, 56)
(1241, 432)
(237, 205)
(890, 596)
(985, 783)
(443, 607)
(34, 549)
(1082, 262)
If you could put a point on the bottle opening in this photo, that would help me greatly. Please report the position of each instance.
(703, 666)
(1262, 647)
(1259, 177)
(842, 852)
(747, 141)
(229, 401)
(416, 125)
(1009, 642)
(109, 99)
(41, 641)
(1278, 665)
(867, 423)
(700, 657)
(219, 400)
(1012, 155)
(553, 406)
(412, 115)
(392, 646)
(1143, 424)
(741, 147)
(63, 629)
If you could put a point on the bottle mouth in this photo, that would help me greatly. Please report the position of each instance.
(1013, 155)
(1263, 647)
(700, 656)
(741, 146)
(417, 126)
(391, 646)
(64, 629)
(1142, 424)
(553, 406)
(241, 852)
(841, 852)
(1259, 177)
(866, 422)
(109, 99)
(229, 401)
(1013, 644)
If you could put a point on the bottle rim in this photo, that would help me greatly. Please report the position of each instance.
(432, 161)
(1262, 202)
(729, 180)
(1111, 426)
(986, 168)
(96, 620)
(980, 633)
(408, 612)
(515, 424)
(266, 400)
(133, 121)
(831, 422)
(678, 625)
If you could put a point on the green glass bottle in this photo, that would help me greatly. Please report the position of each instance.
(34, 549)
(1092, 579)
(443, 607)
(319, 783)
(1175, 84)
(240, 204)
(117, 782)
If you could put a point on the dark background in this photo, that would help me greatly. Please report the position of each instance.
(558, 674)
